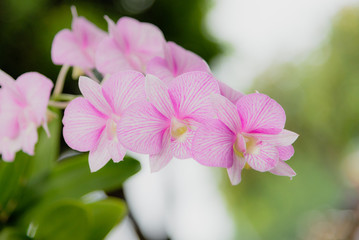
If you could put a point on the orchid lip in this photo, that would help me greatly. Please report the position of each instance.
(245, 144)
(111, 127)
(179, 129)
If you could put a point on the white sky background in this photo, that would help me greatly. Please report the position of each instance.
(183, 198)
(263, 32)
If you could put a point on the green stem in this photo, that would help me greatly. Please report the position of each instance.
(60, 105)
(60, 81)
(64, 97)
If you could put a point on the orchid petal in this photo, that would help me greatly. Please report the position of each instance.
(265, 159)
(182, 60)
(145, 39)
(234, 172)
(116, 150)
(7, 81)
(100, 155)
(9, 113)
(92, 91)
(66, 50)
(123, 89)
(189, 93)
(161, 159)
(181, 149)
(226, 112)
(283, 169)
(260, 114)
(83, 125)
(88, 36)
(159, 67)
(109, 58)
(284, 138)
(213, 144)
(157, 94)
(177, 61)
(36, 89)
(29, 139)
(141, 128)
(285, 152)
(229, 92)
(9, 148)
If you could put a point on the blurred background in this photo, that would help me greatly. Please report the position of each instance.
(304, 54)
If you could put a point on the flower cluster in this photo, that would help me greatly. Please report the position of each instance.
(155, 98)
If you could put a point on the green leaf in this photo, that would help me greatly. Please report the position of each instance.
(15, 175)
(106, 214)
(12, 179)
(63, 220)
(11, 234)
(72, 177)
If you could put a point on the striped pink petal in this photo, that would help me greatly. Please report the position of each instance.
(123, 89)
(157, 94)
(226, 112)
(235, 171)
(83, 125)
(283, 169)
(213, 144)
(285, 152)
(284, 138)
(260, 114)
(116, 150)
(265, 159)
(141, 128)
(161, 159)
(92, 91)
(229, 92)
(190, 94)
(99, 155)
(181, 149)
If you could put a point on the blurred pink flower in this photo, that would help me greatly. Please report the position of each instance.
(249, 132)
(91, 122)
(176, 61)
(164, 125)
(23, 105)
(228, 92)
(130, 46)
(77, 47)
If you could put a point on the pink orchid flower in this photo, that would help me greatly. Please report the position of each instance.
(130, 46)
(249, 132)
(91, 122)
(164, 125)
(177, 61)
(23, 105)
(77, 47)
